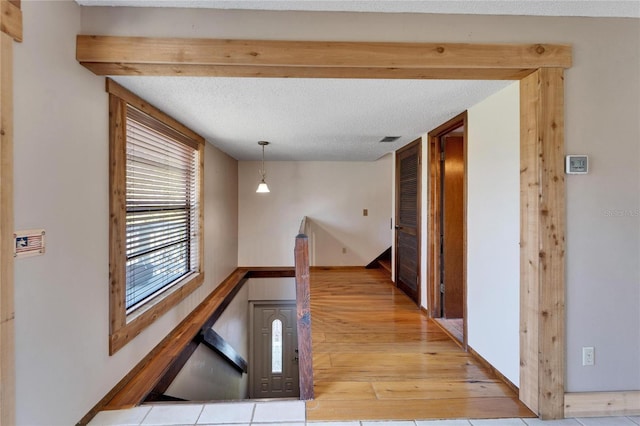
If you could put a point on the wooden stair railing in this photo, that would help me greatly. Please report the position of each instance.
(153, 372)
(305, 363)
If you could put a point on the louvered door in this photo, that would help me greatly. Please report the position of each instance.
(407, 271)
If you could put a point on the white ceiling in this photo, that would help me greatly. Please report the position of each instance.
(327, 119)
(612, 8)
(309, 119)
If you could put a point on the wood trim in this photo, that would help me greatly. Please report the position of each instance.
(271, 272)
(172, 372)
(117, 90)
(551, 219)
(542, 210)
(156, 308)
(11, 19)
(123, 328)
(335, 268)
(529, 231)
(117, 216)
(303, 307)
(211, 339)
(7, 308)
(433, 225)
(313, 54)
(254, 71)
(493, 370)
(599, 404)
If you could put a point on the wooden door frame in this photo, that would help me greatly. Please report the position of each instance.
(411, 145)
(540, 69)
(433, 225)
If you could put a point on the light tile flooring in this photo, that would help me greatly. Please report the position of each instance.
(292, 413)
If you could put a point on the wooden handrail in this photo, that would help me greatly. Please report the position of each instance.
(153, 372)
(303, 227)
(305, 364)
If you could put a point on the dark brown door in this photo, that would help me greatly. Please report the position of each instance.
(408, 219)
(452, 226)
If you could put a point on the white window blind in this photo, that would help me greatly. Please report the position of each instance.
(162, 207)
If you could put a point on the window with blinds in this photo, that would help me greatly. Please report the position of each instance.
(162, 207)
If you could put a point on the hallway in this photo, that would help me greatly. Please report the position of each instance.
(377, 356)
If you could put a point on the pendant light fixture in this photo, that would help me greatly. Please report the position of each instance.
(262, 187)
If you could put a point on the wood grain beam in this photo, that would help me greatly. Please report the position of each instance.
(255, 71)
(269, 58)
(542, 328)
(529, 231)
(552, 217)
(211, 339)
(303, 305)
(7, 308)
(11, 19)
(600, 404)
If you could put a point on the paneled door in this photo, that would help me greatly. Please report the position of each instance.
(407, 235)
(274, 371)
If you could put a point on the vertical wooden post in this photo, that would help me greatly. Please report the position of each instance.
(304, 317)
(7, 313)
(11, 29)
(542, 218)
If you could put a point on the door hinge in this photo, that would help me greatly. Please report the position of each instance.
(441, 287)
(441, 155)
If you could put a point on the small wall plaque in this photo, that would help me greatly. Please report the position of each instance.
(28, 243)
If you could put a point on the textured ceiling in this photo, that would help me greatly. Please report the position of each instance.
(612, 8)
(324, 119)
(309, 119)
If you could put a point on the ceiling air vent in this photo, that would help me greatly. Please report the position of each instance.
(390, 139)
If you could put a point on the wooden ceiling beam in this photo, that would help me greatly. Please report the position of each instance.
(190, 70)
(109, 55)
(11, 19)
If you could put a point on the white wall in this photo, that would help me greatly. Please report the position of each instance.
(493, 230)
(61, 184)
(332, 195)
(263, 289)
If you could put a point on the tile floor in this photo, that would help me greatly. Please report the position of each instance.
(292, 413)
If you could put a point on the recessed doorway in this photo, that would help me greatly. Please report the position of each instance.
(447, 226)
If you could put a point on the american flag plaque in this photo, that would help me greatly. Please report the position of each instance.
(28, 243)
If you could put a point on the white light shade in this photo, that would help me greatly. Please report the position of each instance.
(263, 187)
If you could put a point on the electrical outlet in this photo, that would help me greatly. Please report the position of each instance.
(365, 212)
(344, 250)
(588, 355)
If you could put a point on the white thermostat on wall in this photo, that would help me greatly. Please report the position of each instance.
(577, 164)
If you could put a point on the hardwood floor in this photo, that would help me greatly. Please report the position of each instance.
(377, 356)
